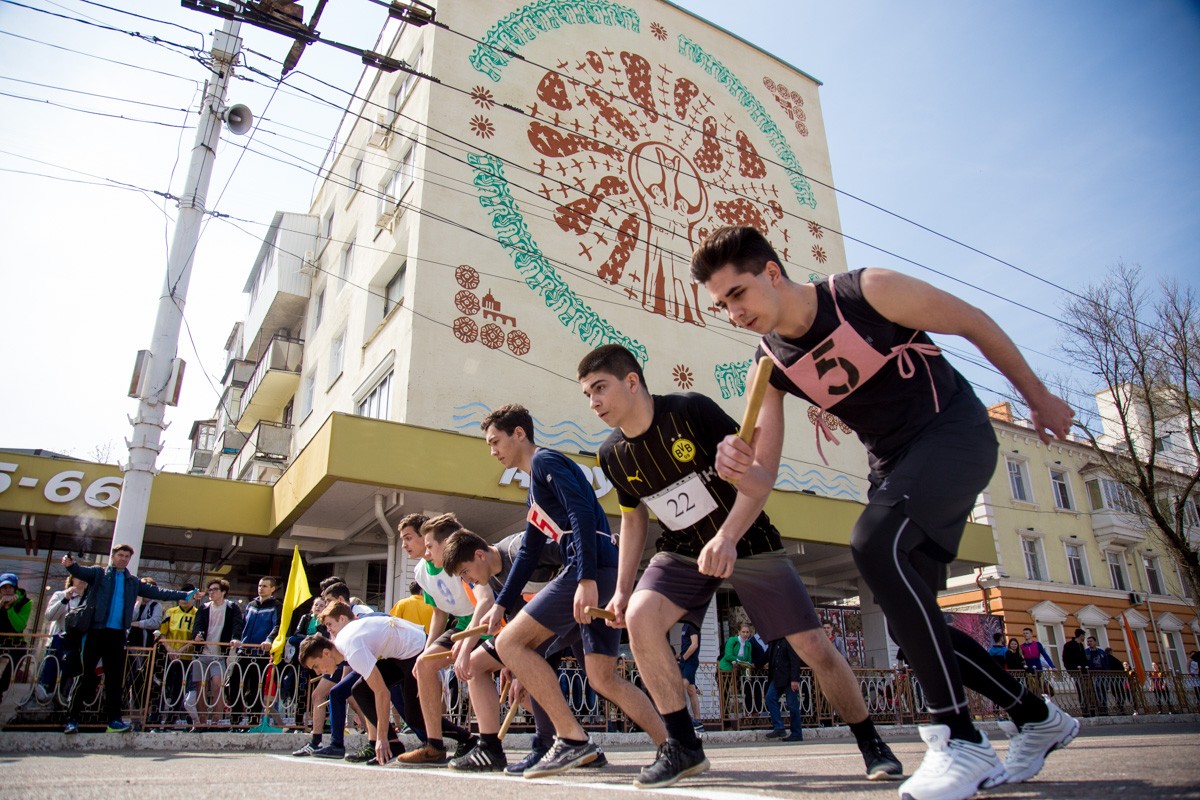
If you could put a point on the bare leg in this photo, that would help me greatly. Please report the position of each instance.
(429, 689)
(517, 645)
(649, 617)
(602, 675)
(485, 700)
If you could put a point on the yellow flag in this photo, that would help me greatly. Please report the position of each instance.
(297, 592)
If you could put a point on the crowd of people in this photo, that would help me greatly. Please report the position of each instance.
(856, 346)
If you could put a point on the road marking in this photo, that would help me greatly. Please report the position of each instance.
(690, 791)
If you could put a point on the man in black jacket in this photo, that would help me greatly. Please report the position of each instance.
(112, 591)
(783, 675)
(1075, 660)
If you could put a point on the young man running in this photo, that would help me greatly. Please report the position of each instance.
(453, 607)
(660, 455)
(382, 650)
(931, 449)
(562, 508)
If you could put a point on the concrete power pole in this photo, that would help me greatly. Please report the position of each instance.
(159, 372)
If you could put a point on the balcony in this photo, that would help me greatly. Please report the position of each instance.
(268, 442)
(237, 373)
(279, 285)
(273, 383)
(200, 462)
(1117, 529)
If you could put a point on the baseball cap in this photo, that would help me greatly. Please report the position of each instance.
(8, 579)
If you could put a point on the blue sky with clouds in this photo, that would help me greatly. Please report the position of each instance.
(1059, 137)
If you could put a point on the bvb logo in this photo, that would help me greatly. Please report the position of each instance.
(683, 450)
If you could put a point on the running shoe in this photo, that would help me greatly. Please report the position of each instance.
(71, 727)
(600, 762)
(119, 726)
(481, 758)
(305, 751)
(361, 755)
(799, 737)
(535, 755)
(953, 769)
(425, 754)
(562, 757)
(882, 764)
(674, 761)
(465, 746)
(1029, 746)
(330, 751)
(778, 733)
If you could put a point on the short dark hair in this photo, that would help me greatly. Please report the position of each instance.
(314, 646)
(613, 359)
(336, 609)
(740, 246)
(121, 547)
(1080, 632)
(441, 526)
(461, 547)
(274, 581)
(997, 637)
(414, 521)
(415, 588)
(224, 584)
(338, 591)
(508, 418)
(330, 581)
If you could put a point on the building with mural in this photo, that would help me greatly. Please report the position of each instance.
(1073, 551)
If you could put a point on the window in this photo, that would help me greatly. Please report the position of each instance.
(1048, 635)
(1062, 489)
(1190, 516)
(317, 310)
(394, 294)
(402, 92)
(1116, 570)
(1031, 549)
(1017, 480)
(1154, 581)
(337, 351)
(307, 391)
(1108, 494)
(326, 232)
(378, 402)
(347, 266)
(1077, 565)
(1162, 444)
(1185, 588)
(398, 182)
(356, 175)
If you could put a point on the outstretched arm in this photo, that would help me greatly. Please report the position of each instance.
(915, 304)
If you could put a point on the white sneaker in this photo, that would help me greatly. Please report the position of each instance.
(953, 769)
(1028, 747)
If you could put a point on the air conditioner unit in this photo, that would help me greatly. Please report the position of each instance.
(388, 212)
(309, 265)
(381, 137)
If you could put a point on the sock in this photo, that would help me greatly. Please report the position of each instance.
(961, 726)
(1029, 708)
(436, 744)
(490, 740)
(576, 742)
(679, 728)
(864, 731)
(316, 740)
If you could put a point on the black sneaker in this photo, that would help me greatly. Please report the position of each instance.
(465, 746)
(882, 764)
(778, 733)
(362, 755)
(330, 751)
(562, 757)
(481, 758)
(535, 755)
(600, 762)
(674, 761)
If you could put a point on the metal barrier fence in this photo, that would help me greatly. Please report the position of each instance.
(231, 690)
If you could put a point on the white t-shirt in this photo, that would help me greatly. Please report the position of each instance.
(367, 640)
(216, 622)
(448, 593)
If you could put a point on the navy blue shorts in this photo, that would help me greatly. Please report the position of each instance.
(554, 609)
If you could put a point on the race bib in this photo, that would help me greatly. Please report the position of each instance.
(683, 503)
(543, 522)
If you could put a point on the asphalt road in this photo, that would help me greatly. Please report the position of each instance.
(1128, 762)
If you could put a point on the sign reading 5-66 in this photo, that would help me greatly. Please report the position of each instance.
(64, 487)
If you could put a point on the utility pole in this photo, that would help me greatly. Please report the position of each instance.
(159, 372)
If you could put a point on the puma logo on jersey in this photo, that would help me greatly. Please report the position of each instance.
(637, 476)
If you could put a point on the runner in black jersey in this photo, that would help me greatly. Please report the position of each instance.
(660, 456)
(932, 450)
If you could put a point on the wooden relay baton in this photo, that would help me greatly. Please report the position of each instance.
(467, 633)
(599, 613)
(754, 398)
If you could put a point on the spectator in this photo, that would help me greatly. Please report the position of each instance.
(175, 636)
(1097, 662)
(1013, 660)
(739, 652)
(414, 608)
(62, 661)
(259, 628)
(147, 616)
(998, 651)
(217, 624)
(1075, 660)
(14, 616)
(1033, 652)
(112, 591)
(836, 639)
(340, 591)
(689, 663)
(783, 675)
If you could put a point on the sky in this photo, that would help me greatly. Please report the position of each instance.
(972, 143)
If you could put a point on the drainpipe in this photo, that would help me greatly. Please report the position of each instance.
(389, 584)
(983, 591)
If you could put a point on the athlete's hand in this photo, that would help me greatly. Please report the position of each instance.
(618, 604)
(493, 618)
(462, 663)
(718, 556)
(586, 594)
(734, 458)
(383, 751)
(1050, 412)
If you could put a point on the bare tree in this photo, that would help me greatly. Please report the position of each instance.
(1145, 348)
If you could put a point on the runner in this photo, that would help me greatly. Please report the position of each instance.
(931, 450)
(660, 455)
(562, 508)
